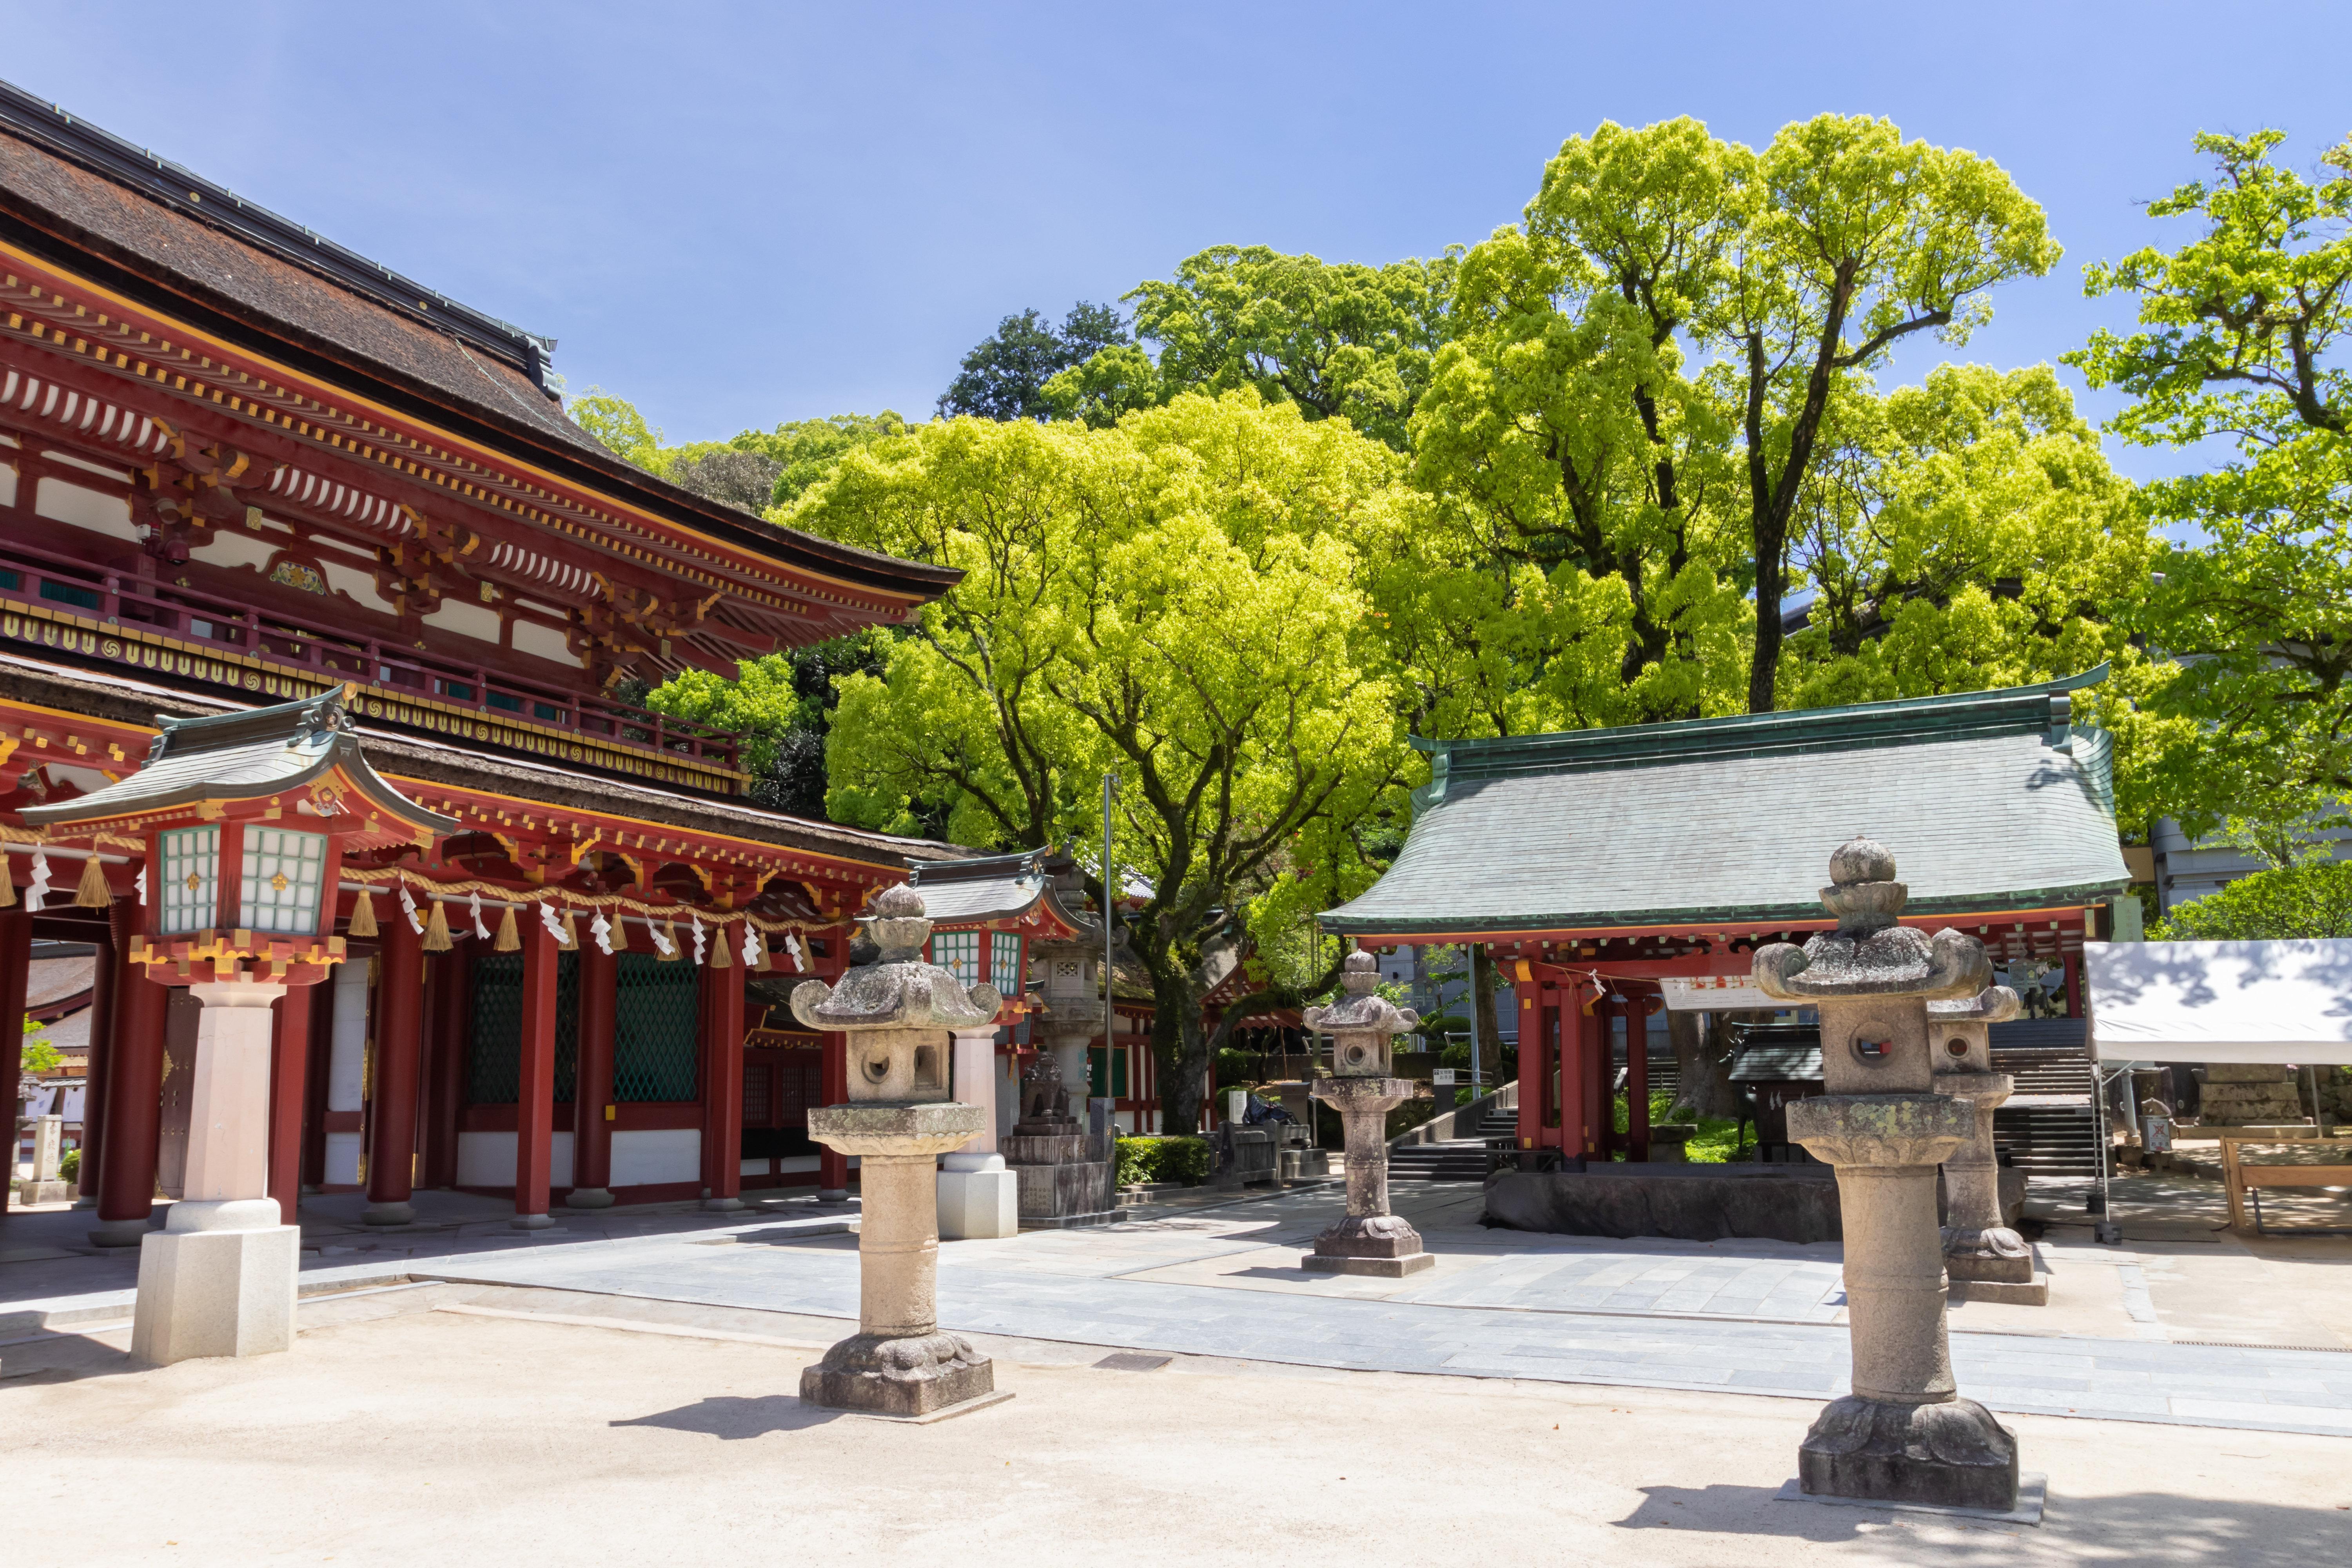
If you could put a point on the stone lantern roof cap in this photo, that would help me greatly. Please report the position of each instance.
(253, 754)
(1869, 954)
(896, 988)
(1361, 1009)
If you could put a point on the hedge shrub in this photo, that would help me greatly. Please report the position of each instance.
(1184, 1160)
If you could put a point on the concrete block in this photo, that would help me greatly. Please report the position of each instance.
(215, 1293)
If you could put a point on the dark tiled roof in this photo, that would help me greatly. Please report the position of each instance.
(1990, 800)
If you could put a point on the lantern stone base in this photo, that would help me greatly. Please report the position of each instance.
(121, 1232)
(1950, 1454)
(1384, 1246)
(589, 1198)
(1066, 1196)
(215, 1293)
(916, 1375)
(389, 1213)
(978, 1198)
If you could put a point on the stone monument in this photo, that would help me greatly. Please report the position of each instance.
(1981, 1252)
(1903, 1434)
(1362, 1024)
(1067, 1177)
(896, 1011)
(43, 1187)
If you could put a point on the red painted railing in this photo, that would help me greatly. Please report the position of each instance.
(32, 576)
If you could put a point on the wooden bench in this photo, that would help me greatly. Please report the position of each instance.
(2240, 1179)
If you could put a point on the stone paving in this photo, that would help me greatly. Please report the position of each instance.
(1733, 1316)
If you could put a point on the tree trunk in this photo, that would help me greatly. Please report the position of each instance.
(1183, 1047)
(1704, 1063)
(1482, 1000)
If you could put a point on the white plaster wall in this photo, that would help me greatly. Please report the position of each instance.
(487, 1159)
(68, 503)
(359, 584)
(466, 620)
(342, 1159)
(543, 642)
(347, 1044)
(229, 548)
(797, 1163)
(753, 1168)
(663, 1154)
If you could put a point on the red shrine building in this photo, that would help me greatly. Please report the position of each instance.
(242, 467)
(1614, 872)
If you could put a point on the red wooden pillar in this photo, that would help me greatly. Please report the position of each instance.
(722, 1100)
(591, 1094)
(1600, 1080)
(1533, 1071)
(289, 1075)
(449, 1018)
(1637, 1078)
(15, 958)
(101, 1051)
(134, 1094)
(535, 1088)
(832, 1166)
(399, 1039)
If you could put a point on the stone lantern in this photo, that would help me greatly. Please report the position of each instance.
(1990, 1260)
(1066, 1180)
(1903, 1434)
(246, 819)
(898, 1012)
(1363, 1027)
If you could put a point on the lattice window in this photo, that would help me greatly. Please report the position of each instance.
(758, 1093)
(958, 953)
(654, 1047)
(190, 879)
(1004, 962)
(282, 876)
(494, 1062)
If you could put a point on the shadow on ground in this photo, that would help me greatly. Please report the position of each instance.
(732, 1418)
(2135, 1527)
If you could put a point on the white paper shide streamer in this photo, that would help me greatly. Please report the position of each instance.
(474, 908)
(547, 918)
(700, 941)
(40, 887)
(408, 907)
(602, 929)
(792, 946)
(660, 940)
(750, 945)
(139, 883)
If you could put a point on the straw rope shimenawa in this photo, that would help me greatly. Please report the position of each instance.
(569, 900)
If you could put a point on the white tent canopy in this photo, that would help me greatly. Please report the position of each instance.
(2220, 1001)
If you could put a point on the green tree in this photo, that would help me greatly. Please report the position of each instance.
(2310, 899)
(1177, 598)
(39, 1056)
(617, 426)
(2243, 342)
(1338, 339)
(783, 704)
(1005, 377)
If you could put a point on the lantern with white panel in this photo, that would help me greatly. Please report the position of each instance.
(246, 819)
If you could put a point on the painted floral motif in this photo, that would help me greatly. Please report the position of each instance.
(295, 575)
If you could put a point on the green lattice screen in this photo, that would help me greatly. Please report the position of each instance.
(494, 1064)
(1117, 1086)
(654, 1030)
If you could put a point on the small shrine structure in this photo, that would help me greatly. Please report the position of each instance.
(1599, 865)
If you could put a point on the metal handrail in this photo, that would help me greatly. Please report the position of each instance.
(42, 577)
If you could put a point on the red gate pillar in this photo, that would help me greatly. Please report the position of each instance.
(591, 1094)
(15, 959)
(722, 1100)
(134, 1094)
(535, 1086)
(832, 1167)
(450, 1000)
(289, 1086)
(391, 1110)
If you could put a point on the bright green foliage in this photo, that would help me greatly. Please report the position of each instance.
(1653, 496)
(2243, 340)
(784, 704)
(39, 1055)
(2311, 899)
(1339, 339)
(1005, 376)
(1142, 1159)
(616, 422)
(1178, 598)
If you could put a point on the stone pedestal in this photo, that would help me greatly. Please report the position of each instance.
(1903, 1434)
(219, 1280)
(1980, 1248)
(897, 1011)
(1371, 1239)
(898, 1362)
(978, 1197)
(1061, 1181)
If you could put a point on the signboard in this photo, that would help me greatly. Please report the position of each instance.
(1441, 1077)
(1715, 994)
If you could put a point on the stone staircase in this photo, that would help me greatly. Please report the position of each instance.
(1456, 1160)
(2047, 1128)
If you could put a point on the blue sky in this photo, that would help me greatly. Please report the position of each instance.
(737, 214)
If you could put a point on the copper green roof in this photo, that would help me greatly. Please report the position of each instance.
(1990, 800)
